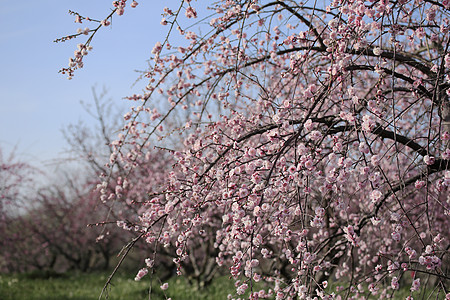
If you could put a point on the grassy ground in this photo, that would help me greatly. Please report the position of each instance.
(89, 286)
(40, 286)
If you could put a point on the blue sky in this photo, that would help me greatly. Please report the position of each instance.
(35, 101)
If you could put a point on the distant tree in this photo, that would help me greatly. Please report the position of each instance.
(91, 146)
(15, 179)
(52, 233)
(317, 149)
(54, 225)
(44, 225)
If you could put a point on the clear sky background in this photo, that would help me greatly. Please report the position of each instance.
(35, 101)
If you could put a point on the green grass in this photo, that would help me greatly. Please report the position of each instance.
(39, 286)
(89, 286)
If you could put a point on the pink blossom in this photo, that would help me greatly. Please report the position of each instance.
(320, 211)
(308, 257)
(317, 222)
(120, 10)
(308, 125)
(368, 124)
(394, 283)
(251, 152)
(140, 274)
(419, 184)
(420, 33)
(429, 160)
(164, 286)
(446, 154)
(375, 221)
(377, 51)
(375, 160)
(396, 236)
(84, 31)
(241, 289)
(157, 48)
(105, 22)
(333, 23)
(149, 262)
(415, 285)
(364, 148)
(351, 235)
(315, 135)
(190, 12)
(411, 252)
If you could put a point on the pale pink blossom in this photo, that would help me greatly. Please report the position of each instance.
(415, 285)
(190, 12)
(315, 135)
(164, 286)
(375, 195)
(120, 10)
(394, 283)
(364, 148)
(149, 262)
(241, 289)
(368, 124)
(419, 184)
(377, 51)
(420, 33)
(157, 48)
(105, 22)
(142, 272)
(396, 236)
(429, 160)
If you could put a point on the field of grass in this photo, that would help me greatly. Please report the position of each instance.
(38, 286)
(89, 286)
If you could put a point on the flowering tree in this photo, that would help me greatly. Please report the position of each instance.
(15, 178)
(51, 232)
(54, 227)
(317, 145)
(92, 148)
(45, 228)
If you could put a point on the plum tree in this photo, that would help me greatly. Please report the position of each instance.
(316, 148)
